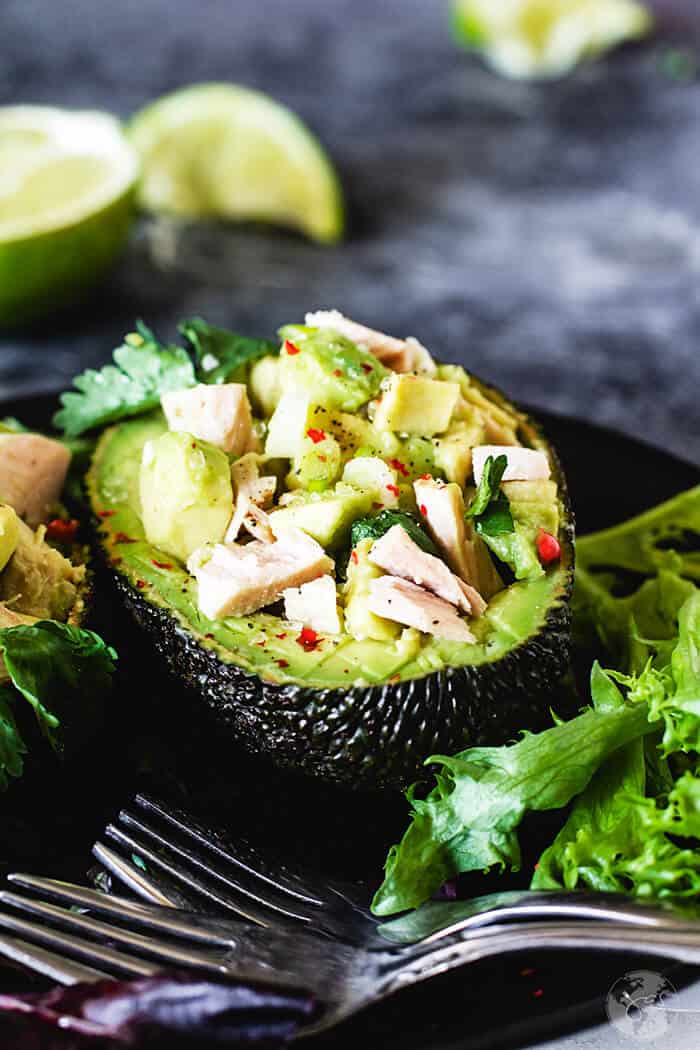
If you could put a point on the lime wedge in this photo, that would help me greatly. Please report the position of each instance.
(546, 38)
(224, 151)
(67, 183)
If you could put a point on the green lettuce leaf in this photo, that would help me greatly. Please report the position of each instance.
(222, 356)
(142, 372)
(469, 820)
(63, 672)
(12, 747)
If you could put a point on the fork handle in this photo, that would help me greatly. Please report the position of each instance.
(411, 967)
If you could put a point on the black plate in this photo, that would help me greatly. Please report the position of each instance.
(157, 740)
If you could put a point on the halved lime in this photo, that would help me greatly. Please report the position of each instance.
(224, 151)
(545, 38)
(67, 183)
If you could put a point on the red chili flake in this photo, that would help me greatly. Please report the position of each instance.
(208, 635)
(308, 639)
(63, 531)
(424, 510)
(548, 547)
(538, 993)
(426, 477)
(366, 368)
(283, 663)
(290, 348)
(262, 644)
(121, 537)
(115, 561)
(140, 583)
(316, 435)
(377, 506)
(107, 513)
(393, 489)
(322, 458)
(338, 373)
(161, 564)
(353, 557)
(281, 636)
(398, 465)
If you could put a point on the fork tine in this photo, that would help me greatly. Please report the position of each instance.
(168, 921)
(299, 912)
(244, 909)
(170, 954)
(87, 950)
(244, 858)
(136, 879)
(55, 967)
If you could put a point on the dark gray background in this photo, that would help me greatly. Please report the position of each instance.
(547, 235)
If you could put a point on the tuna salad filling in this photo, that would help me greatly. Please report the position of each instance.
(349, 510)
(41, 570)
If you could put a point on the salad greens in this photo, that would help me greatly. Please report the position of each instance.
(221, 356)
(629, 762)
(63, 673)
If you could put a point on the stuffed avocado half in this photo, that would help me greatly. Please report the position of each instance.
(356, 555)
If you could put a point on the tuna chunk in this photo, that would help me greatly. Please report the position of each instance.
(398, 555)
(251, 492)
(236, 579)
(401, 355)
(219, 414)
(442, 507)
(32, 474)
(405, 603)
(523, 464)
(314, 605)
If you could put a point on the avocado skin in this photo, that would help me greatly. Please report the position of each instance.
(368, 738)
(374, 738)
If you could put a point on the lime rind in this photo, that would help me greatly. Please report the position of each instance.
(546, 38)
(225, 151)
(49, 137)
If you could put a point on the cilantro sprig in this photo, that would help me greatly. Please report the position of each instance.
(144, 369)
(142, 372)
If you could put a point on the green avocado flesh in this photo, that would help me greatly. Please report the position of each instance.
(266, 644)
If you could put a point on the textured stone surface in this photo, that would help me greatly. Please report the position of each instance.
(548, 236)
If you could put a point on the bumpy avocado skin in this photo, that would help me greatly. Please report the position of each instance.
(375, 738)
(372, 738)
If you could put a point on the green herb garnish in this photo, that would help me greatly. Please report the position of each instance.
(222, 356)
(142, 372)
(374, 528)
(490, 508)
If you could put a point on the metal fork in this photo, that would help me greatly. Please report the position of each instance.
(69, 946)
(184, 865)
